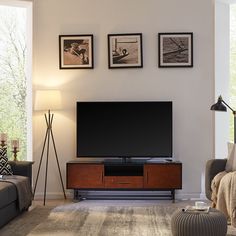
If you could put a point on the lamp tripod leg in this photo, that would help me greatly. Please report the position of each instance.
(40, 163)
(59, 169)
(46, 173)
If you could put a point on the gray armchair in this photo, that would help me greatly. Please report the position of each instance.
(213, 167)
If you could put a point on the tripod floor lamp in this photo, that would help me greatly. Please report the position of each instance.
(221, 105)
(46, 100)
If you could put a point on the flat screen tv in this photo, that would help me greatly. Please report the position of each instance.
(124, 129)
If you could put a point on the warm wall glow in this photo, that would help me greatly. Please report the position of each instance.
(47, 100)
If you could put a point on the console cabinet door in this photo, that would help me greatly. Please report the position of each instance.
(84, 175)
(163, 176)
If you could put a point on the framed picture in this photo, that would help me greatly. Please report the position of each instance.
(125, 51)
(76, 51)
(175, 49)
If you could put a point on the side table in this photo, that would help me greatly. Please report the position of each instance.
(213, 223)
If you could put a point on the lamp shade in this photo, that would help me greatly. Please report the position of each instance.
(219, 106)
(47, 100)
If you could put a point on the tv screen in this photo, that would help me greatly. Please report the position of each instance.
(124, 129)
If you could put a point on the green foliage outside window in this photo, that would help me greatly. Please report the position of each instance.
(232, 82)
(13, 81)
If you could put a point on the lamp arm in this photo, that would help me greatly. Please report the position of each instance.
(234, 112)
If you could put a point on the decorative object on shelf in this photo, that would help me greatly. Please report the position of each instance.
(3, 139)
(15, 148)
(76, 51)
(175, 49)
(125, 51)
(221, 105)
(46, 100)
(5, 168)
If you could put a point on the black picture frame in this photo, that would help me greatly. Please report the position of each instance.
(76, 51)
(175, 49)
(125, 50)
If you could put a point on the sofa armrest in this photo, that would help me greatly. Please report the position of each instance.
(213, 167)
(23, 168)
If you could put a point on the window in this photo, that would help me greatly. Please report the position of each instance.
(232, 82)
(15, 74)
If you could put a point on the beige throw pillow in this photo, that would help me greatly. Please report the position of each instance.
(231, 160)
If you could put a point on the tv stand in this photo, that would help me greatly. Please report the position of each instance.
(83, 176)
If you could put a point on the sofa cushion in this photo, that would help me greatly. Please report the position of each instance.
(8, 193)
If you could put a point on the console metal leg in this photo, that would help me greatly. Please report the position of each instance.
(77, 196)
(173, 195)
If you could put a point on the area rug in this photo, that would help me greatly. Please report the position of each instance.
(74, 219)
(94, 218)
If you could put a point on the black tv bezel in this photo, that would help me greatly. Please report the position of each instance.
(124, 157)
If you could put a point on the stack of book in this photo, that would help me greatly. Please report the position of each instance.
(193, 209)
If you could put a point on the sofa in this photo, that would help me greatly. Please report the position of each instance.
(213, 167)
(9, 194)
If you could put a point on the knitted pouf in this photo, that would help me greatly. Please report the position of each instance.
(213, 223)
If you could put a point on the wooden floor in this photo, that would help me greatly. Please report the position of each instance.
(179, 203)
(50, 203)
(38, 213)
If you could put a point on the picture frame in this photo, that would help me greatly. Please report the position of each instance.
(125, 50)
(175, 49)
(76, 51)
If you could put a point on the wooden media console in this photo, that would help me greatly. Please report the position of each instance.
(95, 175)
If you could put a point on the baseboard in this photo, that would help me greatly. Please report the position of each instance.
(132, 195)
(190, 196)
(53, 195)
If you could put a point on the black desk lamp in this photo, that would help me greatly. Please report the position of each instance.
(221, 106)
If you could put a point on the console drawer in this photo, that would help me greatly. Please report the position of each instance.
(125, 182)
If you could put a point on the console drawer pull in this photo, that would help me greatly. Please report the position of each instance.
(123, 183)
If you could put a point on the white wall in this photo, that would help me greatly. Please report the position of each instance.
(190, 89)
(222, 66)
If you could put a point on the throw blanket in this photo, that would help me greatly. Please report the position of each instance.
(224, 194)
(23, 189)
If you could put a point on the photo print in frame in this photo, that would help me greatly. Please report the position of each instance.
(125, 50)
(175, 49)
(76, 51)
